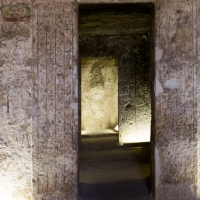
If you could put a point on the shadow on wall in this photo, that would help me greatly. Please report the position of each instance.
(116, 191)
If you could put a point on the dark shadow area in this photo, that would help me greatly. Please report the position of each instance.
(132, 189)
(112, 172)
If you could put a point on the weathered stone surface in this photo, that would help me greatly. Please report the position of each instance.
(15, 125)
(55, 107)
(15, 20)
(175, 108)
(48, 86)
(17, 12)
(134, 92)
(99, 93)
(115, 1)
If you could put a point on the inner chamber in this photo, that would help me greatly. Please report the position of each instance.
(114, 50)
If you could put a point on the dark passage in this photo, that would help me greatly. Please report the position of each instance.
(114, 50)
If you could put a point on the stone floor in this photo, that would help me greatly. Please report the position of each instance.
(111, 172)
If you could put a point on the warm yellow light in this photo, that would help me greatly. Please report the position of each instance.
(99, 93)
(117, 128)
(10, 192)
(133, 135)
(97, 132)
(6, 195)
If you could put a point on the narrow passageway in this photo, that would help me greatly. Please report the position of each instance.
(112, 172)
(115, 91)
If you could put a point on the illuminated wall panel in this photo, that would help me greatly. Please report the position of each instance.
(134, 93)
(99, 93)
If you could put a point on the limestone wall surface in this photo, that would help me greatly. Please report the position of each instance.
(39, 110)
(99, 93)
(38, 99)
(175, 133)
(55, 101)
(15, 101)
(134, 91)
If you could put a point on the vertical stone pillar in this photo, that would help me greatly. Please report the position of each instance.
(55, 95)
(134, 91)
(196, 18)
(15, 100)
(176, 100)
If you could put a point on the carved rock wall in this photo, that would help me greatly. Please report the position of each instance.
(55, 119)
(38, 99)
(176, 135)
(15, 101)
(134, 91)
(99, 93)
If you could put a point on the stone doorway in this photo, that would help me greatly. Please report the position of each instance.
(117, 56)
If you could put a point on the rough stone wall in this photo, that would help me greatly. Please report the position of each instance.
(99, 93)
(134, 91)
(32, 100)
(55, 96)
(176, 101)
(197, 85)
(38, 100)
(15, 100)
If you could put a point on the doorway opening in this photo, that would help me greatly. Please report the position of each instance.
(115, 91)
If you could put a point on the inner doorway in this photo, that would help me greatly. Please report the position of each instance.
(114, 52)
